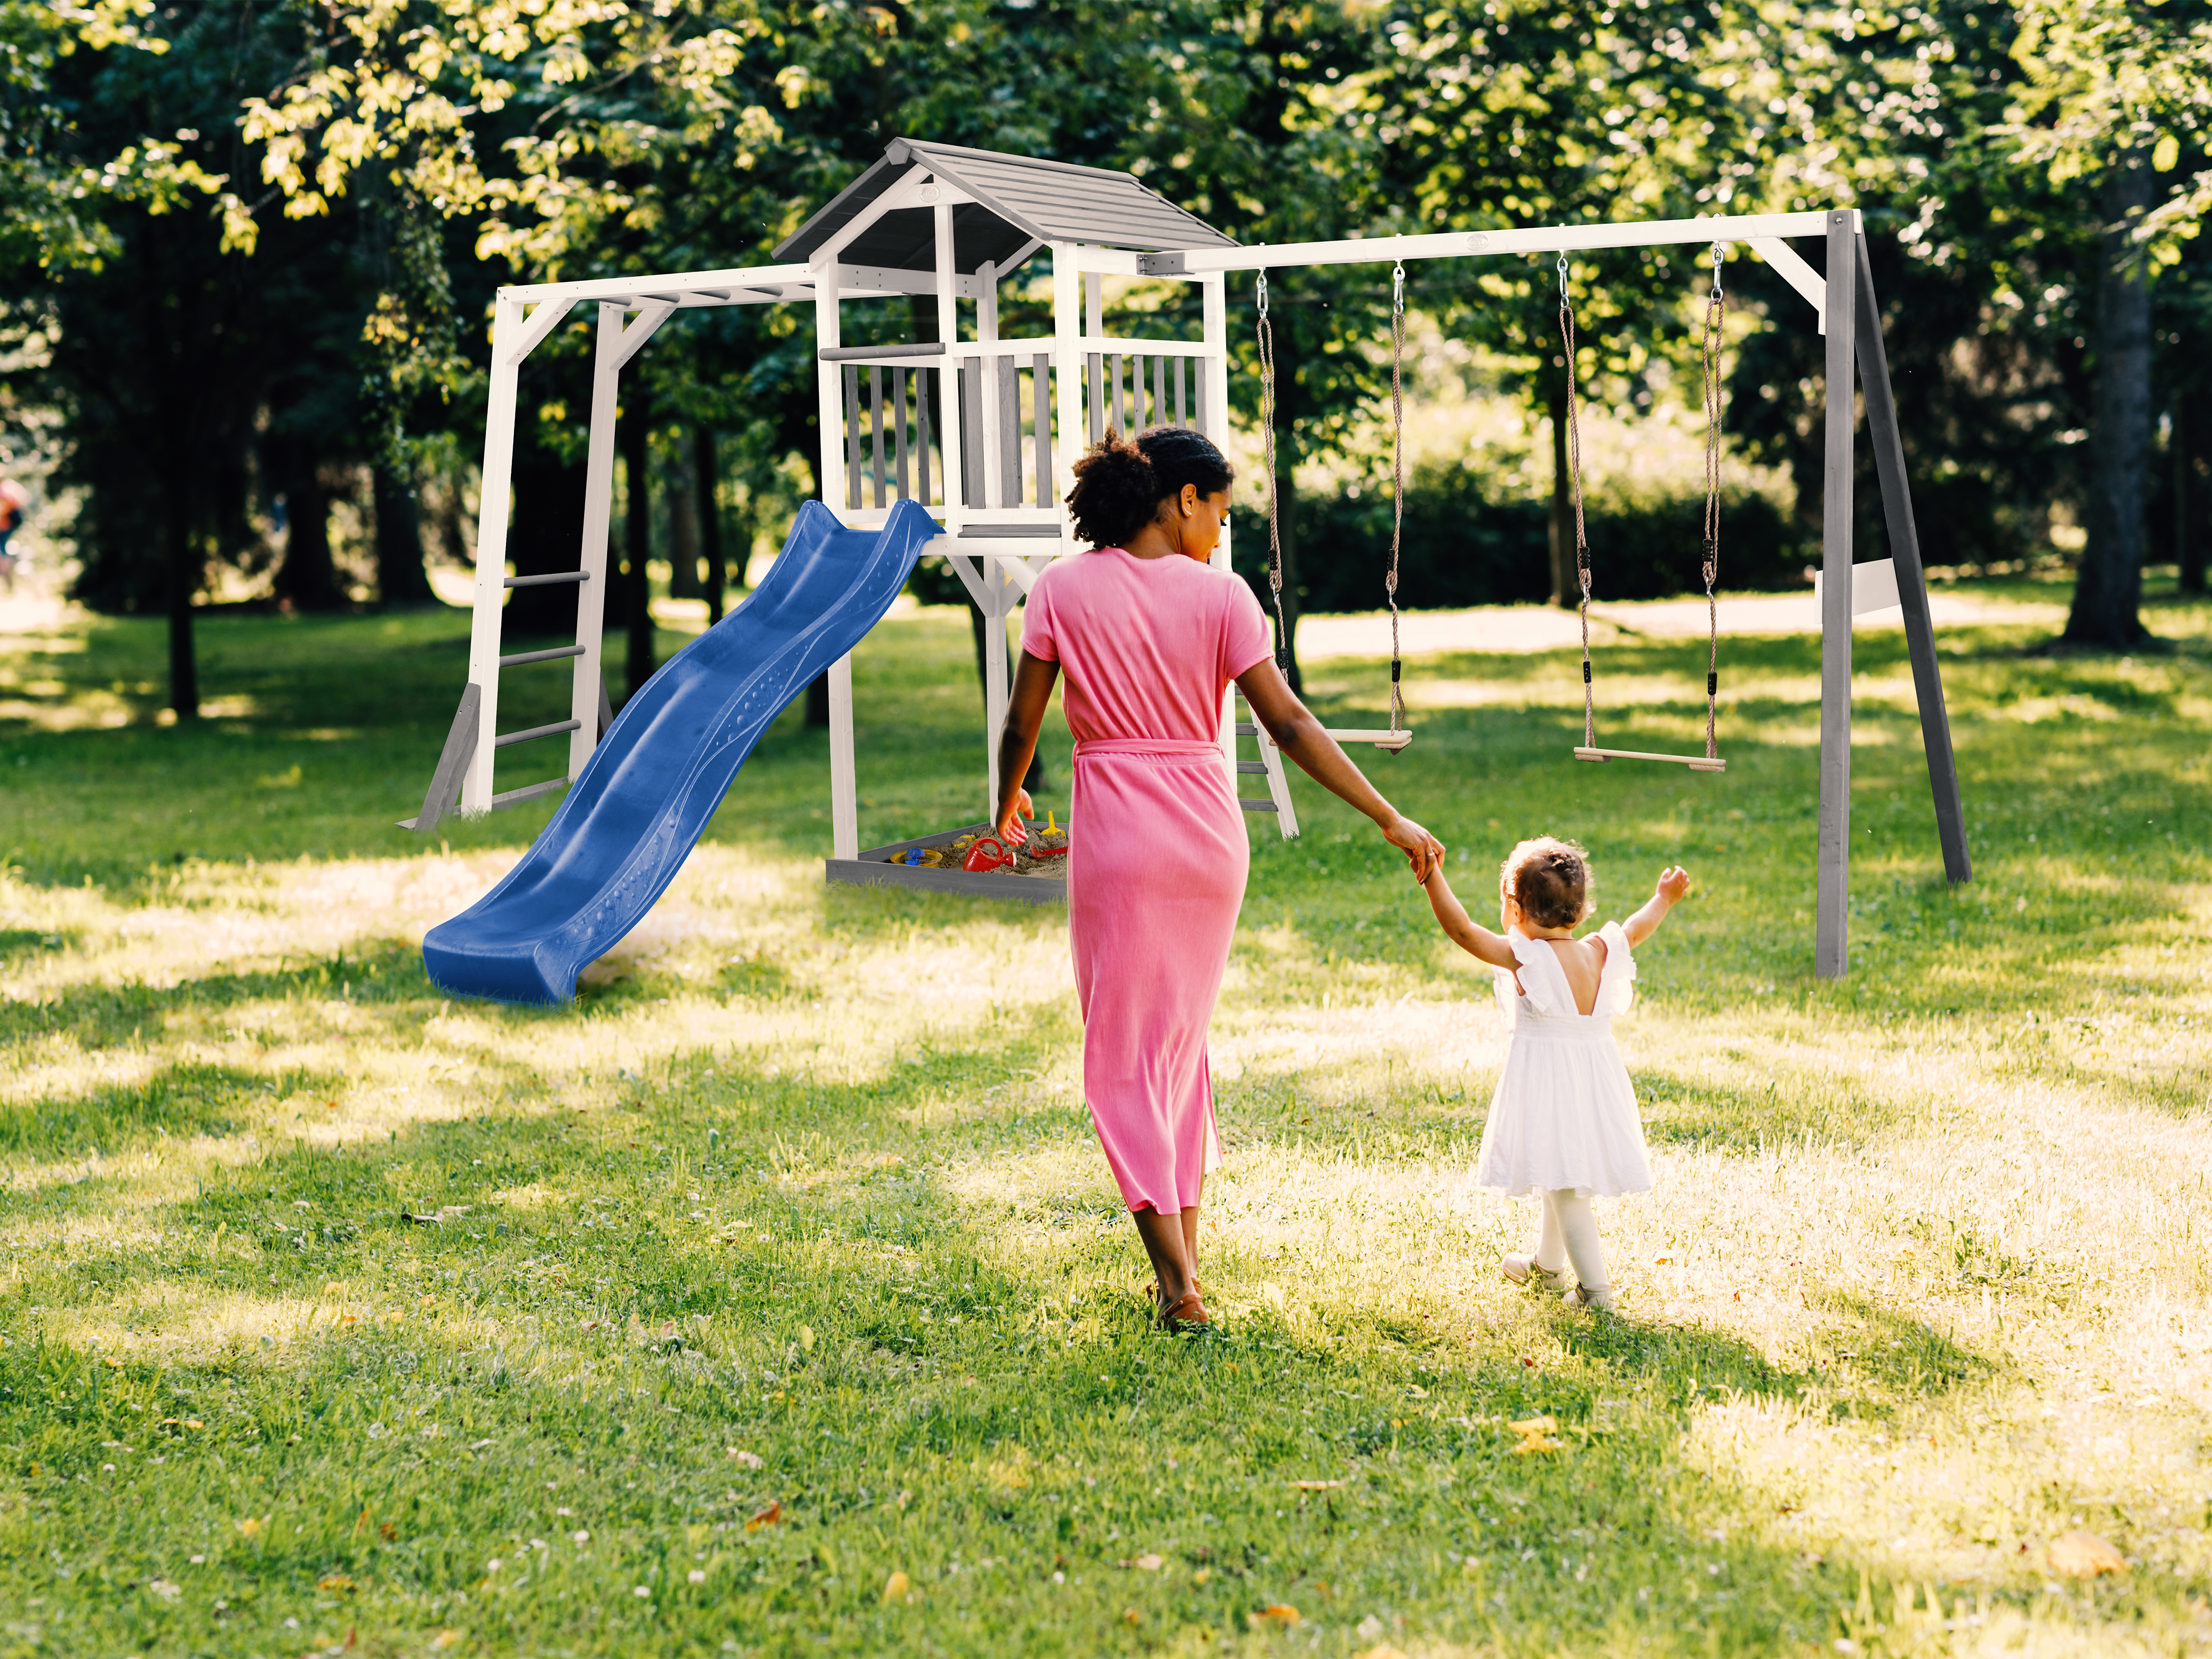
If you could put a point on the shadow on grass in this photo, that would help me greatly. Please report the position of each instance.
(96, 1016)
(191, 1098)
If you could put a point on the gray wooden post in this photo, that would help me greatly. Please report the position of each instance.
(1911, 582)
(1833, 905)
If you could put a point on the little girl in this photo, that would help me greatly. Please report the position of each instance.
(1563, 1123)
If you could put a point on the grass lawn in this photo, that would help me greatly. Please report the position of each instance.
(774, 1298)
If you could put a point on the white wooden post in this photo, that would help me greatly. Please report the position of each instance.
(492, 509)
(598, 506)
(844, 791)
(987, 333)
(948, 398)
(1068, 377)
(1213, 300)
(844, 794)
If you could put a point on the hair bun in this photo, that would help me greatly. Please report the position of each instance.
(1120, 481)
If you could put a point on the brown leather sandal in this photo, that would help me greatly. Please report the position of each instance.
(1188, 1314)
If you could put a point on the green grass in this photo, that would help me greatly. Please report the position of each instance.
(680, 1319)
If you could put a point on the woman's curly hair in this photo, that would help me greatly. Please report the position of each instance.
(1121, 481)
(1550, 879)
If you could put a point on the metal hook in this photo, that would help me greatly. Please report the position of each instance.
(1263, 293)
(1563, 270)
(1397, 288)
(1718, 257)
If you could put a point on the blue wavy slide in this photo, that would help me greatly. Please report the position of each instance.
(628, 823)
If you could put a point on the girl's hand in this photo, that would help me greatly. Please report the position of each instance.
(1423, 851)
(1010, 827)
(1674, 883)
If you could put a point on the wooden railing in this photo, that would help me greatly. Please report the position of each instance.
(894, 412)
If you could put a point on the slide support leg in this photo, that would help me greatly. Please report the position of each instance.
(844, 795)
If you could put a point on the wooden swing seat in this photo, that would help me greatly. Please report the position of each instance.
(1695, 763)
(1393, 741)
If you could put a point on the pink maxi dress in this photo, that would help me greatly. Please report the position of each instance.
(1158, 858)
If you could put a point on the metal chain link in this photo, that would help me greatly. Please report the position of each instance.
(1397, 477)
(1575, 478)
(1267, 340)
(1716, 316)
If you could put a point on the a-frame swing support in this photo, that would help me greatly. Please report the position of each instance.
(1849, 319)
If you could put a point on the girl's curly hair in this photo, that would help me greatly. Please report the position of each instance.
(1121, 482)
(1550, 879)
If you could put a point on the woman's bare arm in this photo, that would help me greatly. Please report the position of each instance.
(1470, 935)
(1034, 678)
(1299, 735)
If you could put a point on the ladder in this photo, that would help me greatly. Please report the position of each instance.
(1269, 766)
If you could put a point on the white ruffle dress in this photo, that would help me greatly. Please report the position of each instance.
(1565, 1113)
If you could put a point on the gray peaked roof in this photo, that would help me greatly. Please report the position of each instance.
(1018, 200)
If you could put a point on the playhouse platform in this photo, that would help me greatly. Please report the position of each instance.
(874, 868)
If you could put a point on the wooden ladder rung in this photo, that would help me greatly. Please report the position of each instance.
(1695, 763)
(558, 651)
(529, 792)
(536, 731)
(1258, 767)
(547, 582)
(1251, 804)
(1247, 729)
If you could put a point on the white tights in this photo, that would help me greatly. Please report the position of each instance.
(1570, 1235)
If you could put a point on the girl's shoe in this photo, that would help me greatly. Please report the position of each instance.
(1522, 1269)
(1582, 1297)
(1188, 1313)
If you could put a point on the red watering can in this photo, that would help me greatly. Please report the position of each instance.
(988, 854)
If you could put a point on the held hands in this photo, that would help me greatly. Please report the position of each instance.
(1424, 852)
(1673, 884)
(1009, 826)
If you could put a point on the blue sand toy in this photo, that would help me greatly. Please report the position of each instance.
(629, 821)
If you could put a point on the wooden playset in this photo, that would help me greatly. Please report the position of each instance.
(981, 431)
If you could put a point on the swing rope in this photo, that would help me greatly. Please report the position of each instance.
(1397, 736)
(1397, 479)
(1716, 316)
(1267, 337)
(1575, 481)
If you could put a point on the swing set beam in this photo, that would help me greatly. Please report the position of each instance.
(1843, 299)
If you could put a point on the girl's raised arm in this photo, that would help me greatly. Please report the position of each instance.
(1673, 882)
(1470, 935)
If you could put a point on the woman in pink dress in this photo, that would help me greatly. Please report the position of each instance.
(1149, 636)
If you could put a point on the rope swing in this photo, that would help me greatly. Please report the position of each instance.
(1715, 315)
(1397, 736)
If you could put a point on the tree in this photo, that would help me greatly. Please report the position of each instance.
(2109, 92)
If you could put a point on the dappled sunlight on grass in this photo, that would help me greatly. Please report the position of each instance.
(350, 1288)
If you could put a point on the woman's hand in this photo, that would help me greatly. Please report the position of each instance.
(1009, 826)
(1423, 851)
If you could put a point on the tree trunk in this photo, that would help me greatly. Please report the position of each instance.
(400, 579)
(1286, 494)
(1566, 585)
(706, 475)
(2109, 589)
(184, 581)
(307, 580)
(637, 538)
